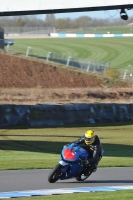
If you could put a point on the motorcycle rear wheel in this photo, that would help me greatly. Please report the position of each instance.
(54, 174)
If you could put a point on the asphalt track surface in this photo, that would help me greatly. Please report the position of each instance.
(20, 180)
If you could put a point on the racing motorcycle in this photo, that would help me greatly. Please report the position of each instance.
(71, 164)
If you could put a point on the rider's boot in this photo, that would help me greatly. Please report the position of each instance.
(90, 169)
(87, 171)
(94, 169)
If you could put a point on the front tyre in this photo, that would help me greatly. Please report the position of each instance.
(54, 174)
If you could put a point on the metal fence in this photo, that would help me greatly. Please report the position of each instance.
(67, 60)
(46, 30)
(29, 30)
(81, 63)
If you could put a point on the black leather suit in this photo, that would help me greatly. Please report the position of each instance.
(94, 150)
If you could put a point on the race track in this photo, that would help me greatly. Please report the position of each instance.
(23, 180)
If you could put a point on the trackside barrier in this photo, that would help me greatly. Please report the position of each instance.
(90, 35)
(33, 193)
(64, 115)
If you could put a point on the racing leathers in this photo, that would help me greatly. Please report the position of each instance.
(94, 150)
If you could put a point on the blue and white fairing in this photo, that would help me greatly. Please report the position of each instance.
(73, 153)
(71, 157)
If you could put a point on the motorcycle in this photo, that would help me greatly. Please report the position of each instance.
(71, 164)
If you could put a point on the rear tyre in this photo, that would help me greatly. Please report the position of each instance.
(55, 173)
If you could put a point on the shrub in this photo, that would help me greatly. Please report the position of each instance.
(113, 73)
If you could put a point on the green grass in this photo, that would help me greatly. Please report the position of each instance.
(117, 51)
(40, 148)
(117, 195)
(103, 30)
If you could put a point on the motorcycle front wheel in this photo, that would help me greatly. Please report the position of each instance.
(55, 173)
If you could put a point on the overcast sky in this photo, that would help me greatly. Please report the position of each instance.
(95, 14)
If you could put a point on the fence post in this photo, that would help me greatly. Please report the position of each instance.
(68, 60)
(7, 47)
(125, 73)
(48, 55)
(27, 52)
(88, 67)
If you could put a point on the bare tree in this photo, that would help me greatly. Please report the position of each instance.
(63, 23)
(83, 21)
(50, 20)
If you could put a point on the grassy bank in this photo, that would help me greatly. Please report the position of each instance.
(116, 51)
(40, 148)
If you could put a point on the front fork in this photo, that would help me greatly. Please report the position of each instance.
(64, 168)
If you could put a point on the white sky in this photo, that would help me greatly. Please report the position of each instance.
(17, 5)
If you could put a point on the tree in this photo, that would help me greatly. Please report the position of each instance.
(50, 20)
(83, 21)
(19, 22)
(63, 23)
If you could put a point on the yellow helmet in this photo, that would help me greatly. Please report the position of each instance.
(89, 137)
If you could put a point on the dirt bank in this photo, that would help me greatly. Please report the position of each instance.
(29, 81)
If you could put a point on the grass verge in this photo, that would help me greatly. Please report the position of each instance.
(41, 148)
(117, 195)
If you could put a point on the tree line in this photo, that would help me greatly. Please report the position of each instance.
(60, 23)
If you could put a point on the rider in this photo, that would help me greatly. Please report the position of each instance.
(92, 144)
